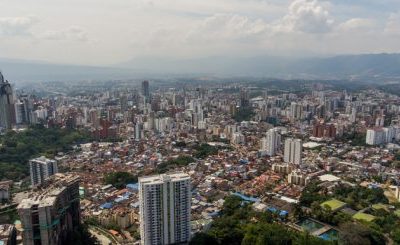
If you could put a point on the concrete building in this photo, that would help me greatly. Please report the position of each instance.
(51, 211)
(296, 111)
(379, 136)
(324, 130)
(298, 178)
(165, 209)
(146, 91)
(41, 168)
(282, 168)
(293, 151)
(272, 142)
(5, 187)
(7, 107)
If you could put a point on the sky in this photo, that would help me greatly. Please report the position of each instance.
(106, 32)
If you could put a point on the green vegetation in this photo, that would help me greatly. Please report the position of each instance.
(357, 139)
(81, 236)
(18, 148)
(359, 234)
(120, 179)
(204, 150)
(360, 197)
(244, 114)
(239, 224)
(180, 161)
(311, 194)
(371, 225)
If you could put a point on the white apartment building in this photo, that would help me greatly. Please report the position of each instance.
(379, 136)
(272, 142)
(293, 150)
(165, 209)
(41, 169)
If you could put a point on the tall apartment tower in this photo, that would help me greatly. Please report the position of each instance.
(293, 149)
(146, 90)
(271, 143)
(165, 209)
(7, 107)
(41, 169)
(51, 212)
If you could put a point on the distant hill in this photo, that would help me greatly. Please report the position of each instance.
(373, 66)
(22, 70)
(368, 67)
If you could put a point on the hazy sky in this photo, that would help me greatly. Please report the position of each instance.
(102, 32)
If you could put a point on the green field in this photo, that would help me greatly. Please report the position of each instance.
(364, 217)
(334, 204)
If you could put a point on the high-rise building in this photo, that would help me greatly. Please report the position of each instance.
(324, 130)
(51, 212)
(296, 111)
(146, 91)
(293, 150)
(41, 169)
(271, 143)
(244, 98)
(7, 108)
(165, 209)
(378, 136)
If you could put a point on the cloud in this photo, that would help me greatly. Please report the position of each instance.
(357, 24)
(308, 16)
(17, 26)
(393, 25)
(72, 33)
(223, 26)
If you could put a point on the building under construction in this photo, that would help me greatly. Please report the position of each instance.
(51, 211)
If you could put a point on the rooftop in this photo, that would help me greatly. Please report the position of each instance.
(158, 179)
(46, 194)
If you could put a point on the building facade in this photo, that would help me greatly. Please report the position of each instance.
(272, 142)
(51, 212)
(165, 209)
(7, 107)
(293, 151)
(41, 169)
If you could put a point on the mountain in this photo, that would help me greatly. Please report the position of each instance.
(367, 67)
(25, 70)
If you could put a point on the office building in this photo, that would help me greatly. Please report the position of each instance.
(7, 108)
(271, 143)
(146, 91)
(165, 209)
(41, 168)
(293, 151)
(51, 212)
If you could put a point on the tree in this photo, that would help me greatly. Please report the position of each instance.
(203, 238)
(120, 179)
(359, 234)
